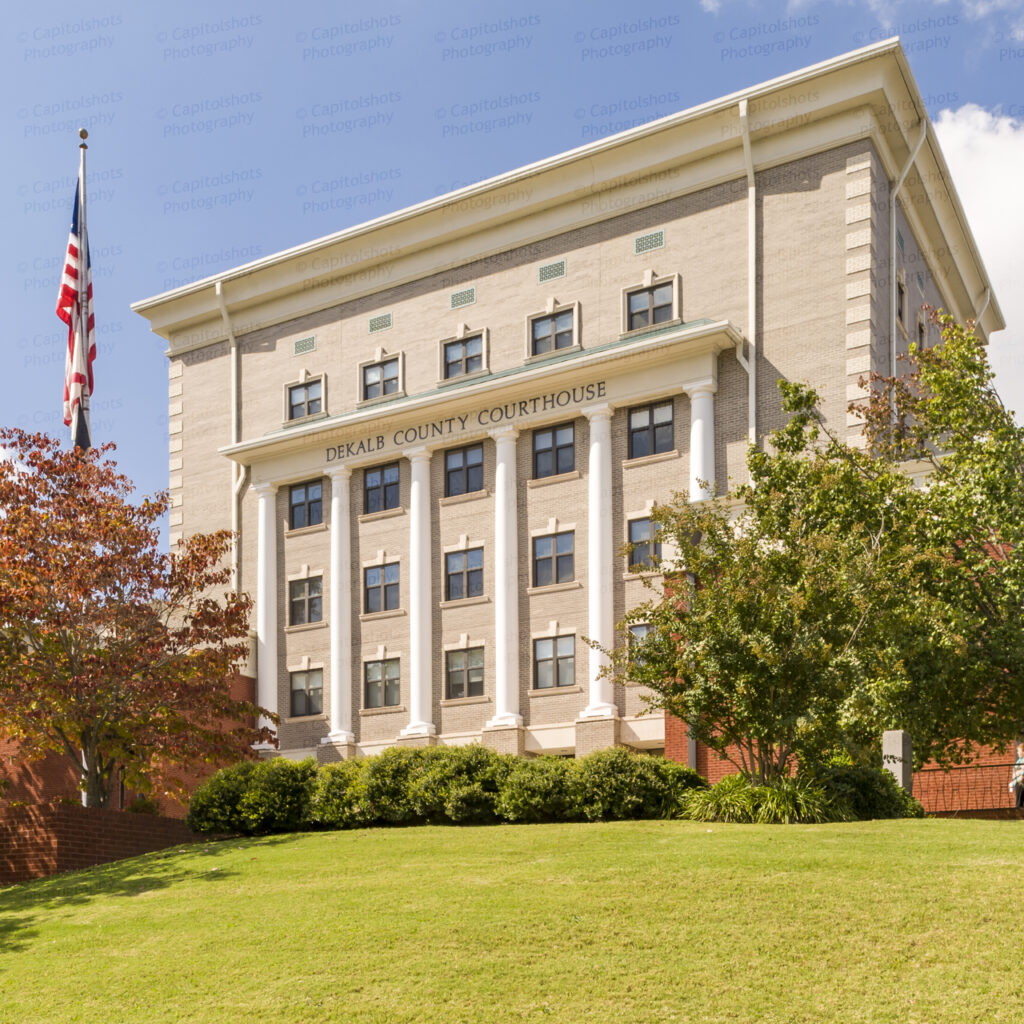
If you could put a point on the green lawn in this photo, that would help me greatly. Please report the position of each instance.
(912, 921)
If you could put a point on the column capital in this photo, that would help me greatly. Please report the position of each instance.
(339, 472)
(421, 454)
(598, 412)
(503, 433)
(704, 385)
(267, 487)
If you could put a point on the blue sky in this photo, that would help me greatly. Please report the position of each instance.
(220, 133)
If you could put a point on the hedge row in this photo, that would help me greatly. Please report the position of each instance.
(469, 785)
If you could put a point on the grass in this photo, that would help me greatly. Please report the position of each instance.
(910, 921)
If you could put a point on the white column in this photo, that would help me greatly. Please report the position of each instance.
(266, 599)
(600, 559)
(341, 610)
(506, 584)
(702, 443)
(420, 605)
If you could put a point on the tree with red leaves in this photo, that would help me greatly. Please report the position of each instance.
(112, 653)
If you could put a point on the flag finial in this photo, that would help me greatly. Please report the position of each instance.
(83, 135)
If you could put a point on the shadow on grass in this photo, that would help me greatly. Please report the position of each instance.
(21, 905)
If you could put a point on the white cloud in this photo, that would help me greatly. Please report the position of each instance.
(985, 152)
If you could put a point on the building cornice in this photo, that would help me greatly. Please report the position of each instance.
(672, 156)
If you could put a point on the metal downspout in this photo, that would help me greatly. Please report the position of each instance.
(749, 361)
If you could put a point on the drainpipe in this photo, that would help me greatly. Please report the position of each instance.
(984, 306)
(239, 474)
(749, 361)
(893, 194)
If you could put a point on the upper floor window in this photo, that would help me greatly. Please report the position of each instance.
(380, 588)
(307, 693)
(380, 488)
(305, 600)
(464, 675)
(551, 332)
(553, 559)
(649, 306)
(638, 631)
(554, 662)
(305, 504)
(381, 684)
(651, 430)
(305, 399)
(464, 470)
(645, 545)
(380, 379)
(463, 574)
(466, 355)
(554, 451)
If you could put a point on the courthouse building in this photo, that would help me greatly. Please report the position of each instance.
(435, 433)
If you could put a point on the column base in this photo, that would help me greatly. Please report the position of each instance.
(504, 739)
(332, 750)
(419, 729)
(599, 711)
(597, 734)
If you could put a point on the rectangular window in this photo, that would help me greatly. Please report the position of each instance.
(305, 504)
(651, 430)
(554, 451)
(463, 356)
(381, 684)
(550, 333)
(922, 336)
(307, 693)
(380, 588)
(464, 675)
(380, 488)
(901, 302)
(464, 470)
(380, 379)
(645, 545)
(554, 662)
(305, 601)
(649, 306)
(305, 399)
(463, 574)
(553, 559)
(637, 632)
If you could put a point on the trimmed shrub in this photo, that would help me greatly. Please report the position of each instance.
(868, 792)
(278, 796)
(458, 785)
(213, 807)
(338, 800)
(615, 785)
(385, 784)
(539, 789)
(787, 801)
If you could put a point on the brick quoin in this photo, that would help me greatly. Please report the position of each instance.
(981, 785)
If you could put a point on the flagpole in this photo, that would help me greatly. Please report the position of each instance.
(83, 296)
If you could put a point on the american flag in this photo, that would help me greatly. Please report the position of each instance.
(78, 381)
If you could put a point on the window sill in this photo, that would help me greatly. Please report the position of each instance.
(554, 588)
(388, 513)
(306, 718)
(299, 420)
(642, 575)
(549, 690)
(457, 702)
(305, 627)
(557, 478)
(393, 709)
(540, 357)
(391, 613)
(301, 531)
(638, 332)
(646, 460)
(465, 602)
(367, 403)
(460, 377)
(458, 499)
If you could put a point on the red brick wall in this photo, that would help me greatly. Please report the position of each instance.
(40, 841)
(982, 785)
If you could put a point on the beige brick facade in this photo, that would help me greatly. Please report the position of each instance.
(819, 312)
